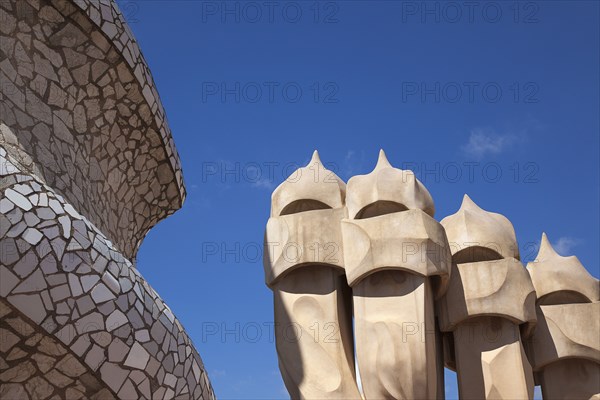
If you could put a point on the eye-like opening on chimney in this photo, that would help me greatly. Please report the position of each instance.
(302, 205)
(476, 254)
(380, 207)
(562, 297)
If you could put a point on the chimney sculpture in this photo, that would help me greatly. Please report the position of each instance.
(371, 253)
(397, 261)
(565, 348)
(304, 266)
(489, 305)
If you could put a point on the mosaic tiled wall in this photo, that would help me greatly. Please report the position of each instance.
(37, 366)
(86, 117)
(87, 167)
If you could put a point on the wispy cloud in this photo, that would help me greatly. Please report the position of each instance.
(486, 141)
(352, 164)
(217, 373)
(264, 183)
(564, 245)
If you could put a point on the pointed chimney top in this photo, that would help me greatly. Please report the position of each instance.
(387, 184)
(315, 158)
(468, 204)
(472, 226)
(552, 273)
(546, 250)
(382, 161)
(312, 182)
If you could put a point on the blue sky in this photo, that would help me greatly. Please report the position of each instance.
(499, 101)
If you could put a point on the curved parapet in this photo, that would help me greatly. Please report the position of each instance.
(411, 241)
(65, 276)
(52, 370)
(83, 115)
(386, 189)
(559, 279)
(87, 167)
(105, 14)
(313, 187)
(479, 235)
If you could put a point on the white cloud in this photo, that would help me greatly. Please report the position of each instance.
(486, 141)
(353, 162)
(264, 183)
(216, 373)
(564, 245)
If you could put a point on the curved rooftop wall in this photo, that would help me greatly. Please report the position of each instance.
(85, 115)
(61, 275)
(87, 167)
